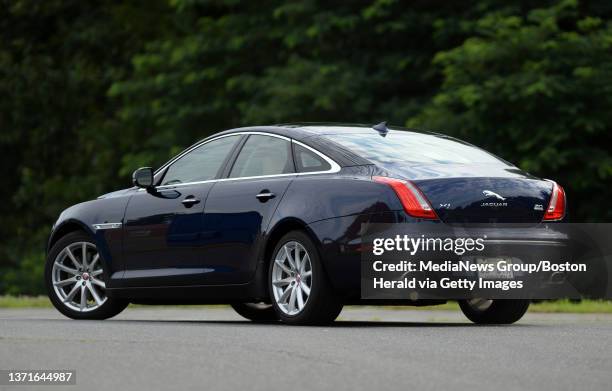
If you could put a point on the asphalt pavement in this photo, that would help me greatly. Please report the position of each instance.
(212, 348)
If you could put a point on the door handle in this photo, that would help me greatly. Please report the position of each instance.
(265, 195)
(190, 201)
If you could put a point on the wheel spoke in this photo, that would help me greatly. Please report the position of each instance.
(305, 289)
(96, 272)
(83, 298)
(292, 298)
(285, 295)
(72, 292)
(66, 269)
(94, 261)
(306, 274)
(305, 261)
(281, 264)
(99, 283)
(94, 294)
(68, 281)
(300, 298)
(72, 258)
(283, 282)
(289, 257)
(84, 254)
(297, 258)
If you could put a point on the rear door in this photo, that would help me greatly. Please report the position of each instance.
(239, 207)
(163, 226)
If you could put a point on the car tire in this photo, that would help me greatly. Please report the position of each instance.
(319, 303)
(62, 276)
(483, 311)
(256, 312)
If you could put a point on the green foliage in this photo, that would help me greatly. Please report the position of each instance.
(58, 133)
(265, 62)
(91, 91)
(27, 276)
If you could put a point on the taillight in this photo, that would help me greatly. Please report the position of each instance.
(413, 201)
(556, 206)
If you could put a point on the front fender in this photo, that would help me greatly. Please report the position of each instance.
(64, 226)
(84, 216)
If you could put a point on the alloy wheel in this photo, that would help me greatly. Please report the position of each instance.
(291, 278)
(480, 304)
(77, 277)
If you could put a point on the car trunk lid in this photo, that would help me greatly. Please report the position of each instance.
(477, 194)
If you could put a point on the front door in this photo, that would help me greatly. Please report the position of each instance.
(162, 235)
(162, 243)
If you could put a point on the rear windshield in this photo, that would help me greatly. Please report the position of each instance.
(398, 146)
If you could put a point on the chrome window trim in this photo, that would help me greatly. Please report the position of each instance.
(335, 167)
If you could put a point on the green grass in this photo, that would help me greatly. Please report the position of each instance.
(43, 302)
(585, 306)
(559, 306)
(24, 302)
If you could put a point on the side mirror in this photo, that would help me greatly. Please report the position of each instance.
(143, 177)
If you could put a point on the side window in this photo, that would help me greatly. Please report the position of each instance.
(202, 163)
(308, 161)
(263, 155)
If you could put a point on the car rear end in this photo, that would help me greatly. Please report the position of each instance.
(446, 183)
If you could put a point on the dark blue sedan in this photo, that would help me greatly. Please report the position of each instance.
(268, 219)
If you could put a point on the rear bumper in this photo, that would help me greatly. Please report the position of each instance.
(346, 241)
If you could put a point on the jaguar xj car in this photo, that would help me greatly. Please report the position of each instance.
(269, 220)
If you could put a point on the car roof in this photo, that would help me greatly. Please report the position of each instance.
(300, 131)
(322, 128)
(313, 134)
